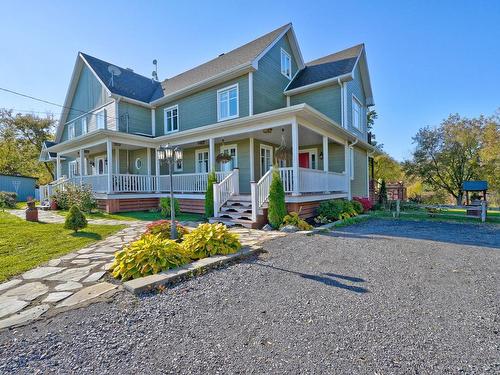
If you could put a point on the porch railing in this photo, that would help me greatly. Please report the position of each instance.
(189, 182)
(316, 181)
(260, 192)
(225, 189)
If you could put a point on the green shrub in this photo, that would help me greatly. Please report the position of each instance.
(75, 195)
(348, 208)
(294, 219)
(165, 207)
(209, 195)
(75, 219)
(277, 206)
(358, 207)
(7, 199)
(320, 219)
(382, 193)
(331, 209)
(162, 228)
(209, 240)
(148, 255)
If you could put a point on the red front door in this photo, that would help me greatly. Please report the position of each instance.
(304, 160)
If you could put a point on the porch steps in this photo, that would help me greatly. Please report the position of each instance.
(236, 211)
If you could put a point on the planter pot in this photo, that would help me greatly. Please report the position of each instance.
(53, 205)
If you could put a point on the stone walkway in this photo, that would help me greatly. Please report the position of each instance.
(73, 280)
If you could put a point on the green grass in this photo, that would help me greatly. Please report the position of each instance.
(25, 245)
(445, 215)
(137, 215)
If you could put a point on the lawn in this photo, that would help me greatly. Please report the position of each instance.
(138, 215)
(25, 245)
(445, 215)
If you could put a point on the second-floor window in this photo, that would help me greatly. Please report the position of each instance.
(171, 119)
(357, 113)
(100, 119)
(286, 64)
(227, 103)
(71, 130)
(85, 128)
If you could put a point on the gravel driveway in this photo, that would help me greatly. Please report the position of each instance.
(375, 298)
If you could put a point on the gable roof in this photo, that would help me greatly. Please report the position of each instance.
(244, 55)
(331, 66)
(128, 84)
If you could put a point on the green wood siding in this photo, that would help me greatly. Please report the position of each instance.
(336, 158)
(355, 87)
(325, 99)
(200, 109)
(134, 118)
(359, 183)
(268, 82)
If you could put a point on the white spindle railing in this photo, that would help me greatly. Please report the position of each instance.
(134, 183)
(286, 175)
(189, 182)
(223, 190)
(316, 181)
(260, 192)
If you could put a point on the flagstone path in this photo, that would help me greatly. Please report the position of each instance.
(74, 279)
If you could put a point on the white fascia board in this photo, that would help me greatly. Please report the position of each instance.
(219, 78)
(315, 85)
(130, 100)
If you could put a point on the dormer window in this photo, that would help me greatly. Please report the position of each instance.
(71, 130)
(85, 128)
(286, 64)
(227, 103)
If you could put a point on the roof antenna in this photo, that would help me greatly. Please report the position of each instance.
(155, 72)
(115, 71)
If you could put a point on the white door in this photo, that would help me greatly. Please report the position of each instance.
(202, 161)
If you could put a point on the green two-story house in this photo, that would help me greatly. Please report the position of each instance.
(252, 103)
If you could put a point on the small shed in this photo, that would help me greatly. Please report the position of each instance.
(474, 186)
(23, 186)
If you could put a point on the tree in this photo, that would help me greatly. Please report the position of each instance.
(490, 156)
(209, 195)
(371, 116)
(21, 139)
(387, 168)
(446, 156)
(382, 194)
(75, 219)
(277, 206)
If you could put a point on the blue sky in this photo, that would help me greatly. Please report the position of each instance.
(426, 60)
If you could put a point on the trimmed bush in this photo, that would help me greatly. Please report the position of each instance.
(7, 199)
(75, 195)
(277, 206)
(348, 208)
(162, 229)
(149, 255)
(209, 195)
(358, 207)
(331, 209)
(165, 207)
(75, 219)
(209, 240)
(294, 219)
(366, 202)
(382, 193)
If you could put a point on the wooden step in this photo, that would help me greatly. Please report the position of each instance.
(235, 209)
(240, 198)
(236, 215)
(233, 222)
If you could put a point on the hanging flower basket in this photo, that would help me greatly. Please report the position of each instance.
(282, 153)
(223, 158)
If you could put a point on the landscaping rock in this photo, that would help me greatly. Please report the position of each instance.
(70, 285)
(87, 294)
(56, 296)
(289, 229)
(40, 272)
(267, 227)
(23, 316)
(72, 274)
(10, 305)
(94, 277)
(27, 292)
(9, 284)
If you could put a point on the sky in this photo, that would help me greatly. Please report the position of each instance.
(427, 59)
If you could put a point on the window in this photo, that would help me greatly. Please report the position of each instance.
(227, 103)
(202, 161)
(266, 159)
(74, 168)
(85, 128)
(286, 64)
(178, 167)
(356, 113)
(138, 163)
(71, 130)
(171, 119)
(233, 151)
(100, 119)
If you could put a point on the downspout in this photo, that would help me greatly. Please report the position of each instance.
(341, 102)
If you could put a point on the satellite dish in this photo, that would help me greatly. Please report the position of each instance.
(115, 71)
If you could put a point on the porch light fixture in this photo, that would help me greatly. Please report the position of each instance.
(170, 155)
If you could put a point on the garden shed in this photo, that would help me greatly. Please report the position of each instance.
(23, 186)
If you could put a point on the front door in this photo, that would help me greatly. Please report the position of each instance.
(304, 160)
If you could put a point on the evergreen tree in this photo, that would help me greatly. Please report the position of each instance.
(209, 195)
(75, 219)
(277, 206)
(382, 194)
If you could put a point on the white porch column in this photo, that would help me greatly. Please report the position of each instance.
(252, 160)
(325, 164)
(58, 166)
(295, 157)
(211, 155)
(82, 165)
(347, 166)
(153, 122)
(109, 155)
(157, 170)
(148, 167)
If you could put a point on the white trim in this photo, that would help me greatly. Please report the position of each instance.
(95, 169)
(252, 159)
(71, 130)
(84, 125)
(287, 55)
(136, 163)
(169, 109)
(269, 148)
(228, 148)
(196, 153)
(98, 113)
(311, 151)
(211, 155)
(250, 93)
(326, 150)
(72, 166)
(176, 168)
(315, 85)
(360, 118)
(287, 101)
(229, 88)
